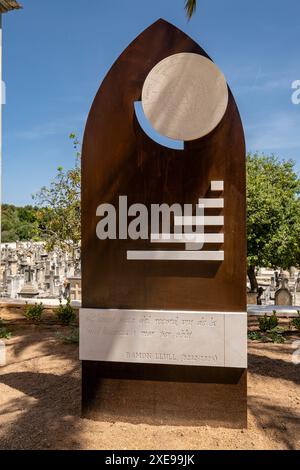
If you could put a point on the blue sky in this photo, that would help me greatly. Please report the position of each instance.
(56, 52)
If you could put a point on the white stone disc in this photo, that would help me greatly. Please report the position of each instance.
(185, 96)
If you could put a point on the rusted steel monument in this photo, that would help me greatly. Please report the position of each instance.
(163, 324)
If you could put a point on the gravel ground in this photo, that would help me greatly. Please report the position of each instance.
(40, 403)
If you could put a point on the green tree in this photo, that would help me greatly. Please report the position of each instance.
(273, 214)
(190, 6)
(19, 223)
(60, 208)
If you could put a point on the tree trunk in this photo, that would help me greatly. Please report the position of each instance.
(252, 278)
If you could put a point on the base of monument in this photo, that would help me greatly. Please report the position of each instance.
(164, 395)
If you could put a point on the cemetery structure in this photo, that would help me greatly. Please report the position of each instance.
(28, 271)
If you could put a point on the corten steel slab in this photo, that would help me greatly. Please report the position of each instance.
(118, 158)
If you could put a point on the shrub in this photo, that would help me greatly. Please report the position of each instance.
(4, 332)
(72, 338)
(273, 321)
(268, 323)
(280, 329)
(254, 335)
(296, 321)
(276, 337)
(65, 314)
(263, 323)
(34, 312)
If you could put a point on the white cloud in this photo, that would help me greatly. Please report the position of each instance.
(50, 128)
(281, 131)
(264, 86)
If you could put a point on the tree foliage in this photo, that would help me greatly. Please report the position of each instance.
(20, 223)
(60, 207)
(190, 6)
(273, 213)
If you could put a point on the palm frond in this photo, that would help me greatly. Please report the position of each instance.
(190, 6)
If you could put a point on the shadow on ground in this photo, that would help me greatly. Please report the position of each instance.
(43, 379)
(47, 414)
(40, 399)
(274, 367)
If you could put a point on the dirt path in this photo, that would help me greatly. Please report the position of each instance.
(40, 399)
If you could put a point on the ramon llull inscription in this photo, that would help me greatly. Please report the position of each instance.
(160, 337)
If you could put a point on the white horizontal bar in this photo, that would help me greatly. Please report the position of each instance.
(217, 185)
(214, 238)
(176, 255)
(188, 238)
(217, 220)
(211, 203)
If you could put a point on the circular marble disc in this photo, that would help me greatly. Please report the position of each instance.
(185, 96)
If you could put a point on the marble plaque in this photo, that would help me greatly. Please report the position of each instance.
(164, 337)
(185, 96)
